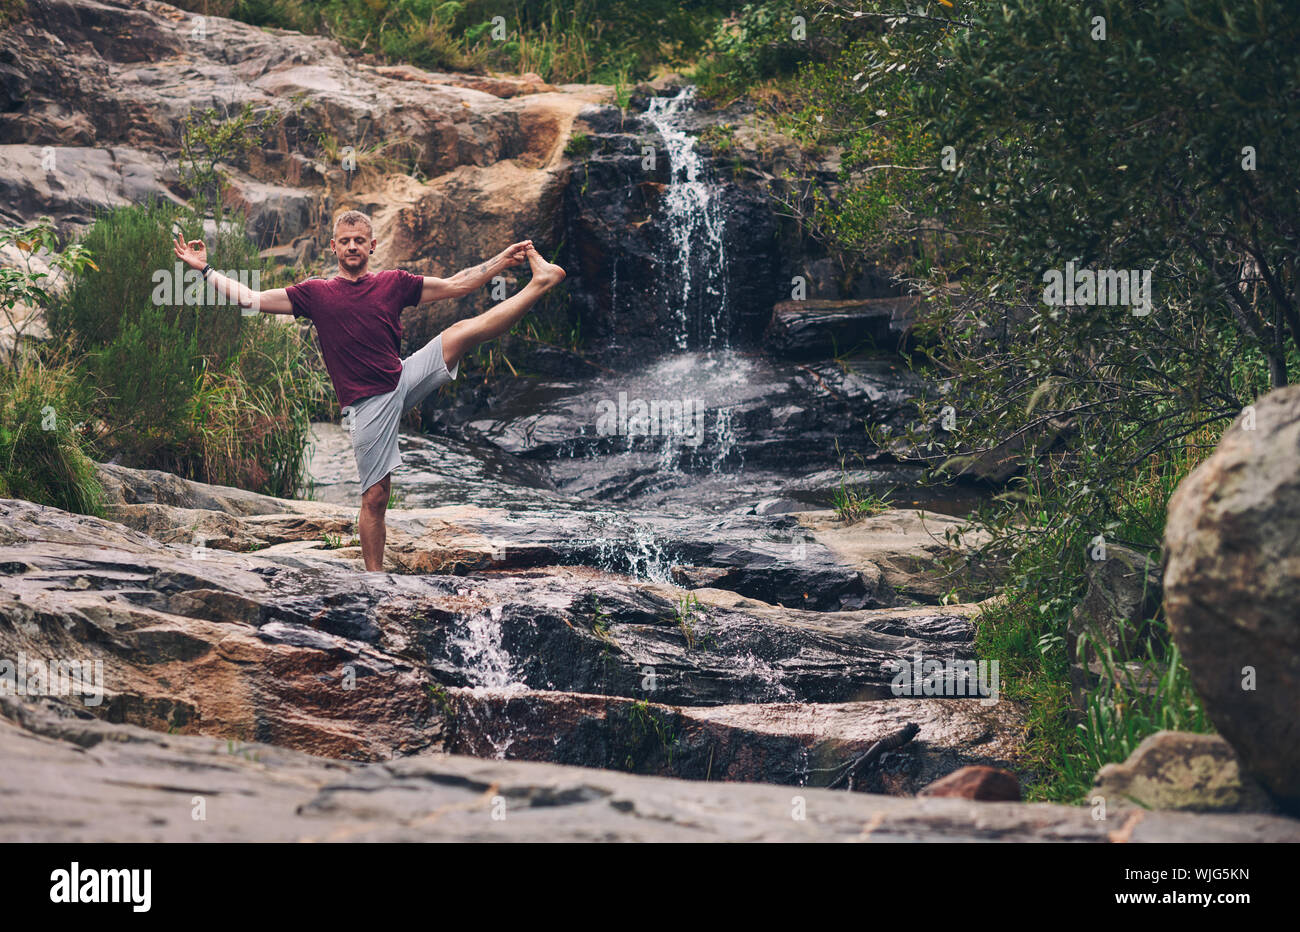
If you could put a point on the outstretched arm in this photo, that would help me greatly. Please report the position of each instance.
(195, 255)
(469, 280)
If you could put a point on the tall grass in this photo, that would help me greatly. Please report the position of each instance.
(1025, 632)
(43, 456)
(563, 41)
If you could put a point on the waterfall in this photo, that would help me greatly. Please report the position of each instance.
(478, 648)
(695, 224)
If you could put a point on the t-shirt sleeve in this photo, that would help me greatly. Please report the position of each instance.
(300, 296)
(409, 286)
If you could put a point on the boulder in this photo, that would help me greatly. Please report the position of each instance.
(978, 782)
(274, 213)
(72, 183)
(1182, 770)
(1232, 588)
(817, 327)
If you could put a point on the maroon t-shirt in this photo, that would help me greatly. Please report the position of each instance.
(360, 327)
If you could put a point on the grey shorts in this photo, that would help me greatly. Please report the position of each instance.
(374, 420)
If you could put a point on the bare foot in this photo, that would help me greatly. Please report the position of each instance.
(544, 273)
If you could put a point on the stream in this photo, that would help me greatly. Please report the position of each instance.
(678, 470)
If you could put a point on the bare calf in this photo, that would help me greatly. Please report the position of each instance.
(371, 529)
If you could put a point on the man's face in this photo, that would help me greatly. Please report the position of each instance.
(352, 245)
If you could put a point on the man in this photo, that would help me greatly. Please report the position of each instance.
(357, 314)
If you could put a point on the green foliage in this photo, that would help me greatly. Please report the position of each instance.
(603, 41)
(764, 40)
(1126, 154)
(442, 699)
(192, 388)
(580, 144)
(32, 282)
(600, 619)
(43, 417)
(208, 138)
(653, 738)
(853, 502)
(335, 541)
(11, 11)
(688, 613)
(42, 428)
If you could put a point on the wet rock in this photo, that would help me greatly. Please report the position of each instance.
(282, 623)
(673, 252)
(202, 646)
(1180, 770)
(907, 547)
(987, 784)
(690, 427)
(778, 506)
(435, 471)
(119, 783)
(793, 743)
(819, 328)
(806, 560)
(1232, 584)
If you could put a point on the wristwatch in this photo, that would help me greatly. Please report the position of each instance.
(206, 269)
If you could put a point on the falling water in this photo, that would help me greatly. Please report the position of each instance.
(485, 661)
(695, 220)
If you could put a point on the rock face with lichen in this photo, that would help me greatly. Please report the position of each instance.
(1232, 588)
(1178, 770)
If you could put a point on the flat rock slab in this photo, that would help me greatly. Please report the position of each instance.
(816, 328)
(72, 780)
(809, 560)
(907, 547)
(802, 744)
(312, 654)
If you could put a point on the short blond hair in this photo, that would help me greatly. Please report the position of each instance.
(352, 218)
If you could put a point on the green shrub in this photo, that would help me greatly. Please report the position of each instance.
(42, 454)
(604, 41)
(198, 390)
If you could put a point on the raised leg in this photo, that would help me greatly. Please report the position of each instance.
(370, 523)
(464, 335)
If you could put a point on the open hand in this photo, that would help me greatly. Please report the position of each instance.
(194, 253)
